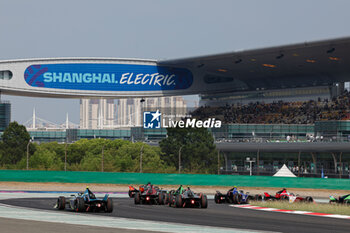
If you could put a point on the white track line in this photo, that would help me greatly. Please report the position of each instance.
(291, 211)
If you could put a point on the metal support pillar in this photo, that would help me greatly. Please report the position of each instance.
(218, 162)
(314, 160)
(334, 155)
(299, 163)
(340, 165)
(257, 162)
(225, 156)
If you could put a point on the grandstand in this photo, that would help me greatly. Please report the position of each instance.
(310, 136)
(280, 112)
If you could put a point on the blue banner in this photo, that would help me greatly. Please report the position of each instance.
(108, 77)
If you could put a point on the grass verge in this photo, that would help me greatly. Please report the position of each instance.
(312, 207)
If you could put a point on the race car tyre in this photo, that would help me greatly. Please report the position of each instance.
(160, 199)
(204, 201)
(248, 199)
(217, 199)
(137, 199)
(234, 198)
(109, 205)
(61, 203)
(230, 198)
(165, 198)
(130, 194)
(284, 198)
(178, 201)
(80, 204)
(258, 197)
(309, 199)
(170, 199)
(238, 198)
(347, 202)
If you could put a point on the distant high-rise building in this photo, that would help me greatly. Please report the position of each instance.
(129, 111)
(96, 113)
(5, 115)
(102, 113)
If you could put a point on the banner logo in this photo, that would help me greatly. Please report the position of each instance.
(152, 120)
(157, 120)
(108, 77)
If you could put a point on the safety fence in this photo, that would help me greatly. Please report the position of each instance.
(171, 179)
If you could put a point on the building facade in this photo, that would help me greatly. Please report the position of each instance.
(109, 113)
(5, 115)
(96, 113)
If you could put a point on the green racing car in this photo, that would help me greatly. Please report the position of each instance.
(341, 199)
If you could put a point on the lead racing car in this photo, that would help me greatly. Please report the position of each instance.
(85, 202)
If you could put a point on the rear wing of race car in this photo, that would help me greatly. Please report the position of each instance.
(105, 198)
(132, 191)
(266, 194)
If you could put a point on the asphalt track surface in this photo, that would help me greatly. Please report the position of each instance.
(218, 215)
(21, 226)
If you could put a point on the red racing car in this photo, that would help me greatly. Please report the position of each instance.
(284, 195)
(147, 194)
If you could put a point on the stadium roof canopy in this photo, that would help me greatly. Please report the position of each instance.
(306, 64)
(320, 63)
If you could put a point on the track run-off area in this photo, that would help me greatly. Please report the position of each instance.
(128, 216)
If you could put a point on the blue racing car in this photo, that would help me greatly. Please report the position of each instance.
(85, 202)
(234, 196)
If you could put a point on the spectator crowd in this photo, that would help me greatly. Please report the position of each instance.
(306, 112)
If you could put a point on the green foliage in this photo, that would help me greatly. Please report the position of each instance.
(45, 159)
(14, 143)
(58, 149)
(126, 158)
(198, 153)
(77, 151)
(197, 148)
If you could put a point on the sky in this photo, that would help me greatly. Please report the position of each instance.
(153, 29)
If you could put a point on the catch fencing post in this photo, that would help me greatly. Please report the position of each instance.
(141, 159)
(180, 159)
(30, 140)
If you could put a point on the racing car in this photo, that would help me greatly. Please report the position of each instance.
(182, 198)
(284, 195)
(85, 202)
(148, 194)
(341, 199)
(234, 196)
(132, 191)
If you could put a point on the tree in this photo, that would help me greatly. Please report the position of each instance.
(91, 153)
(198, 151)
(128, 158)
(15, 140)
(54, 147)
(45, 159)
